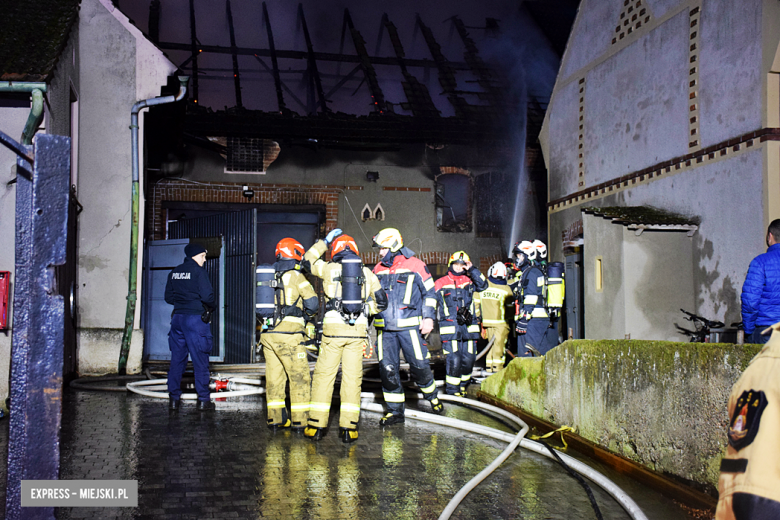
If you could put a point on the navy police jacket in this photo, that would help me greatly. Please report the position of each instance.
(189, 288)
(409, 287)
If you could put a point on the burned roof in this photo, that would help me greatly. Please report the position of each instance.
(645, 217)
(33, 35)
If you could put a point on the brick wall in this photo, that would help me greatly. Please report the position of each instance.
(182, 191)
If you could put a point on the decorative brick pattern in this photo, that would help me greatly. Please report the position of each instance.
(294, 194)
(486, 261)
(634, 15)
(694, 142)
(435, 257)
(580, 139)
(402, 188)
(724, 148)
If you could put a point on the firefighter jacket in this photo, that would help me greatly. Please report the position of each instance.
(750, 471)
(494, 301)
(456, 295)
(530, 293)
(409, 287)
(188, 289)
(296, 301)
(333, 324)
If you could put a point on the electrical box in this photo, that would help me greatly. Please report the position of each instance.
(5, 281)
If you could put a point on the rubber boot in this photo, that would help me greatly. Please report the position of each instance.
(348, 435)
(391, 418)
(314, 433)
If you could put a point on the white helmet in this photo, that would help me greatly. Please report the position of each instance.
(525, 248)
(541, 249)
(497, 270)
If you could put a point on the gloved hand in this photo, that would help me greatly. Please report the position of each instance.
(330, 237)
(426, 326)
(483, 333)
(521, 325)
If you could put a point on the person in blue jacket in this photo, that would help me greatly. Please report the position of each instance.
(190, 292)
(761, 290)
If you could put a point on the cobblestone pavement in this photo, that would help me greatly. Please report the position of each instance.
(227, 464)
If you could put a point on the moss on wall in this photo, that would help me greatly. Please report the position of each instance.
(659, 403)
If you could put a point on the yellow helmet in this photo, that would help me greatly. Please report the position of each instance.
(389, 238)
(458, 257)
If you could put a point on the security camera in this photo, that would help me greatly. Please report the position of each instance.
(247, 192)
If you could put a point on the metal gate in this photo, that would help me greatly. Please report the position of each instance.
(239, 231)
(160, 257)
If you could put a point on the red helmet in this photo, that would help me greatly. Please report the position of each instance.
(289, 248)
(343, 242)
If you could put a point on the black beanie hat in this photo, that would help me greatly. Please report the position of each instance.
(191, 250)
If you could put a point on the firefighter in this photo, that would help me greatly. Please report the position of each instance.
(284, 341)
(344, 331)
(541, 255)
(189, 290)
(411, 309)
(494, 301)
(551, 336)
(458, 315)
(531, 319)
(749, 484)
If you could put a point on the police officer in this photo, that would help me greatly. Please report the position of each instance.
(531, 319)
(494, 300)
(458, 317)
(189, 291)
(749, 484)
(344, 333)
(285, 352)
(409, 315)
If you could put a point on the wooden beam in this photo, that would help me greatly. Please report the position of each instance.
(314, 73)
(274, 62)
(236, 73)
(194, 52)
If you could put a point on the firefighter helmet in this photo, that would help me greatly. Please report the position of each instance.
(458, 257)
(389, 238)
(497, 270)
(343, 242)
(541, 249)
(289, 248)
(526, 249)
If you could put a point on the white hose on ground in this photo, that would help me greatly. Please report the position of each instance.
(136, 387)
(626, 502)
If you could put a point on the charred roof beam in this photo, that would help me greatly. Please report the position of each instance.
(446, 71)
(274, 62)
(417, 94)
(369, 72)
(298, 55)
(154, 21)
(236, 73)
(194, 52)
(313, 72)
(282, 85)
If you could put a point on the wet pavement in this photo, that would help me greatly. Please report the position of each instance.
(227, 464)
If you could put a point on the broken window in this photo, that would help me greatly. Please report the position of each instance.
(494, 197)
(453, 200)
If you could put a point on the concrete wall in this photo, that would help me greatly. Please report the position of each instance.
(636, 114)
(660, 404)
(118, 67)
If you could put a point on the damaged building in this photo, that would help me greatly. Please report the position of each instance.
(285, 131)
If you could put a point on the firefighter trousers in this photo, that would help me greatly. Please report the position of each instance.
(390, 343)
(285, 360)
(334, 351)
(535, 338)
(496, 357)
(459, 356)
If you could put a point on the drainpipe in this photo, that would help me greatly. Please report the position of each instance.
(132, 282)
(36, 112)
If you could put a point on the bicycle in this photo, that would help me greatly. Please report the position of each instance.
(702, 327)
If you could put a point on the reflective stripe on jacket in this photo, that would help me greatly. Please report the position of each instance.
(457, 292)
(409, 289)
(530, 293)
(333, 323)
(494, 300)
